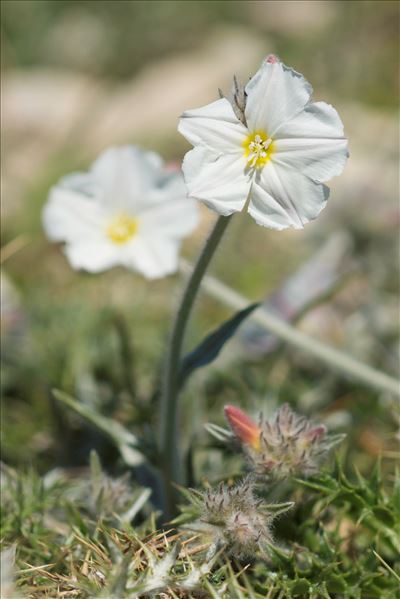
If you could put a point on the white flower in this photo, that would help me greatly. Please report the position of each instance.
(127, 210)
(269, 150)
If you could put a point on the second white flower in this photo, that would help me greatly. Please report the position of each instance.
(128, 210)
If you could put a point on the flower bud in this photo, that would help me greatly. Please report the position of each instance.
(245, 429)
(234, 517)
(285, 445)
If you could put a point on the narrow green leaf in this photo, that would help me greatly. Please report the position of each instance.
(210, 347)
(96, 473)
(386, 565)
(123, 439)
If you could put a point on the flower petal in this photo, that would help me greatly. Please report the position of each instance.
(92, 255)
(153, 258)
(244, 428)
(215, 126)
(282, 197)
(275, 95)
(313, 142)
(267, 211)
(125, 174)
(82, 183)
(220, 181)
(320, 159)
(170, 212)
(318, 119)
(68, 216)
(172, 220)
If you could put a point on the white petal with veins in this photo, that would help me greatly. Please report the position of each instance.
(222, 182)
(275, 95)
(214, 125)
(300, 198)
(313, 142)
(320, 159)
(287, 149)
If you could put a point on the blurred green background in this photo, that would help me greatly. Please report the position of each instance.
(334, 41)
(81, 76)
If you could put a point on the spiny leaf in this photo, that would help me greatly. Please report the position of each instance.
(299, 587)
(117, 585)
(325, 485)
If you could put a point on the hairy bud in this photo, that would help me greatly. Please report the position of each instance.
(285, 445)
(237, 519)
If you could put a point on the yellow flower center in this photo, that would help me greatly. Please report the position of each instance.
(122, 228)
(258, 148)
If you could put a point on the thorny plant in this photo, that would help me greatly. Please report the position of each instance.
(340, 539)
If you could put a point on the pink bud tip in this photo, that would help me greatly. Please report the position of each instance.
(271, 59)
(245, 429)
(316, 433)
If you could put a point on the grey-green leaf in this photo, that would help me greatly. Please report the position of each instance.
(210, 347)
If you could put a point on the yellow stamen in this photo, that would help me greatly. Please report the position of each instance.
(122, 228)
(258, 148)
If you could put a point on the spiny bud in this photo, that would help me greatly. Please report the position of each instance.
(237, 519)
(285, 445)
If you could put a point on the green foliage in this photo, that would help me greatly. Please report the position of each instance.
(210, 347)
(344, 540)
(116, 39)
(119, 37)
(74, 535)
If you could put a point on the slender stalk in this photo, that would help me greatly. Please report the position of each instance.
(127, 354)
(333, 358)
(169, 417)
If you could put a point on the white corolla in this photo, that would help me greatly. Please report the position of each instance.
(269, 149)
(127, 210)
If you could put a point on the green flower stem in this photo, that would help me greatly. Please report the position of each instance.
(169, 417)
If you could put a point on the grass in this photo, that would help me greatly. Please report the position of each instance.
(74, 536)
